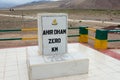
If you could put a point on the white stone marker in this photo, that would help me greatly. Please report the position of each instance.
(52, 33)
(54, 60)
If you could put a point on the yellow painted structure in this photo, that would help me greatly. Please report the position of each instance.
(101, 44)
(90, 37)
(30, 29)
(34, 38)
(91, 29)
(83, 38)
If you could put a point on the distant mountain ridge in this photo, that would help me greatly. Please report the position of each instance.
(40, 5)
(73, 4)
(92, 4)
(34, 3)
(6, 4)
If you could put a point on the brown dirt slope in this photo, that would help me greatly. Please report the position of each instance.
(41, 5)
(74, 4)
(92, 4)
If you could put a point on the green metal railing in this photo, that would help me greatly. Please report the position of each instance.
(9, 39)
(114, 31)
(73, 35)
(100, 35)
(73, 27)
(28, 29)
(113, 40)
(12, 39)
(11, 30)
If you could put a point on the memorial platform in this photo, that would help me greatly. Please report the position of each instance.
(43, 67)
(13, 64)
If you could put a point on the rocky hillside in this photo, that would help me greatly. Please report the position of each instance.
(74, 4)
(92, 4)
(41, 5)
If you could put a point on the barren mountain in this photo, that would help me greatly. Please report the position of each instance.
(41, 5)
(74, 4)
(92, 4)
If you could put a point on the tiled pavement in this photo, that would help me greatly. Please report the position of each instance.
(102, 67)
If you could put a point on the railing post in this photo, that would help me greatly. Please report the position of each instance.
(83, 31)
(101, 39)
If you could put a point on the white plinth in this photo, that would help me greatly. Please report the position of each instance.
(42, 67)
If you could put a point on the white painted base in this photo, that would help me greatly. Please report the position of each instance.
(43, 67)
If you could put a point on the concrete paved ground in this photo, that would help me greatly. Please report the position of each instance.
(102, 67)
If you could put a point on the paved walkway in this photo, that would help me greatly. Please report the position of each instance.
(101, 67)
